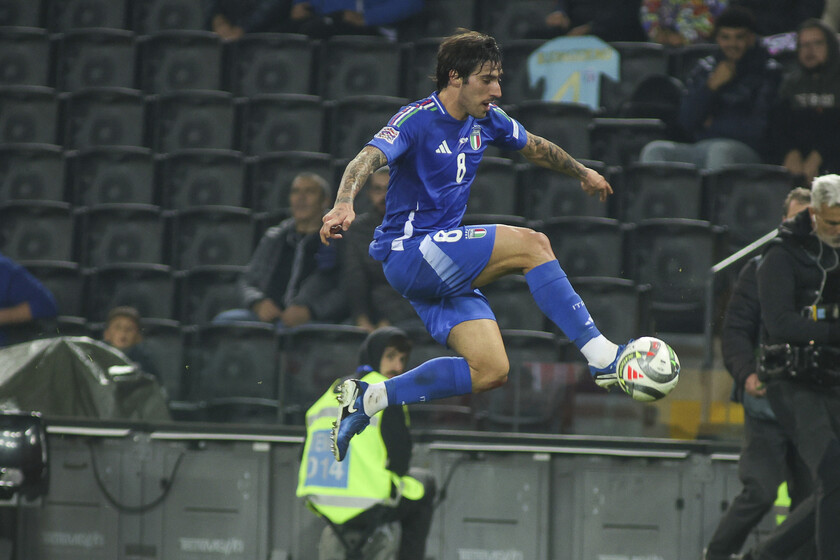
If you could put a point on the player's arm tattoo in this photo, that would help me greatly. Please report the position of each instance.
(357, 172)
(540, 151)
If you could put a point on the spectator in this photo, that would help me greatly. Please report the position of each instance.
(123, 332)
(324, 18)
(292, 278)
(808, 112)
(676, 23)
(373, 302)
(780, 16)
(768, 453)
(610, 20)
(23, 299)
(231, 19)
(384, 453)
(726, 105)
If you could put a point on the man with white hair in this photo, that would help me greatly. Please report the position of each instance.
(799, 293)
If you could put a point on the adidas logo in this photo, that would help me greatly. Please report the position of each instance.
(443, 148)
(633, 374)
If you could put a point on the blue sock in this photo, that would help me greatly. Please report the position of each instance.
(556, 297)
(436, 379)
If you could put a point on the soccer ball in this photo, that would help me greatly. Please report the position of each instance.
(648, 369)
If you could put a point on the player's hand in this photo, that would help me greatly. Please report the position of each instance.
(336, 221)
(595, 184)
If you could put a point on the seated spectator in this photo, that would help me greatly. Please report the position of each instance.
(676, 23)
(293, 278)
(231, 19)
(726, 105)
(373, 302)
(807, 119)
(23, 300)
(324, 18)
(780, 16)
(123, 332)
(609, 20)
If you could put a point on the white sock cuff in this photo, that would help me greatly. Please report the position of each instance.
(375, 399)
(599, 351)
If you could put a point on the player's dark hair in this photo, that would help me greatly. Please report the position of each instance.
(465, 52)
(735, 17)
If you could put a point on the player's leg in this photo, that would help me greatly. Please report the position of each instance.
(527, 251)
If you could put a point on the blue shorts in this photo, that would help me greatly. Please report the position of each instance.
(436, 272)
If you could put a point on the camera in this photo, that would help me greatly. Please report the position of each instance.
(826, 312)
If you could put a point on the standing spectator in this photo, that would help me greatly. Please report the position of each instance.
(676, 23)
(781, 16)
(610, 20)
(373, 302)
(124, 332)
(23, 299)
(808, 114)
(292, 278)
(726, 105)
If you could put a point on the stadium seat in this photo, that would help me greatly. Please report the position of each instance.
(661, 190)
(104, 117)
(190, 178)
(747, 200)
(506, 20)
(21, 13)
(547, 194)
(152, 16)
(24, 56)
(192, 119)
(64, 279)
(683, 60)
(121, 233)
(655, 97)
(565, 124)
(149, 288)
(538, 386)
(260, 63)
(206, 291)
(586, 246)
(180, 60)
(494, 188)
(111, 174)
(238, 372)
(355, 120)
(95, 58)
(637, 61)
(419, 69)
(315, 356)
(617, 141)
(359, 65)
(674, 256)
(28, 114)
(443, 17)
(64, 15)
(270, 177)
(516, 84)
(37, 230)
(619, 307)
(163, 344)
(31, 172)
(212, 235)
(282, 122)
(511, 301)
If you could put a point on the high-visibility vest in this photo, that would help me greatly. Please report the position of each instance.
(782, 505)
(342, 490)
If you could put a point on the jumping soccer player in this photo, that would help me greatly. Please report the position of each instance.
(433, 147)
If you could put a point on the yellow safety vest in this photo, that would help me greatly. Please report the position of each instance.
(342, 490)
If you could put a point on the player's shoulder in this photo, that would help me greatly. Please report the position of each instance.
(416, 114)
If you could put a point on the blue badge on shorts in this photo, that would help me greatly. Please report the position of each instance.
(321, 467)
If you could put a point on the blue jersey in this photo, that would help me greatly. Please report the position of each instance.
(433, 159)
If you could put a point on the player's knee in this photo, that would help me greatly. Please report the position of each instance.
(540, 246)
(490, 374)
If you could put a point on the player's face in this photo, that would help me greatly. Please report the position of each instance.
(482, 88)
(392, 362)
(306, 200)
(813, 48)
(734, 41)
(827, 224)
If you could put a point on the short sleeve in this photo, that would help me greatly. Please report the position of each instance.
(392, 139)
(507, 132)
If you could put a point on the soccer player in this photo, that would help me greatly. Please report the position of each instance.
(433, 147)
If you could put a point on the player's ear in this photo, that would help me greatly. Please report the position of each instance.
(454, 78)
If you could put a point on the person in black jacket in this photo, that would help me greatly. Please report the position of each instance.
(292, 278)
(768, 455)
(799, 293)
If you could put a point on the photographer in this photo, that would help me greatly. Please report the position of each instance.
(799, 289)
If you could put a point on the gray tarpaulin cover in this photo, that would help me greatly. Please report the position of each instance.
(77, 376)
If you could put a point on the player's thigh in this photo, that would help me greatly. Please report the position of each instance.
(480, 342)
(516, 250)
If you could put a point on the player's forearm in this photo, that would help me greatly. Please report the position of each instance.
(540, 151)
(357, 172)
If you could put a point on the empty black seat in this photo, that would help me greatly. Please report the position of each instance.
(516, 84)
(31, 172)
(270, 177)
(507, 20)
(37, 230)
(180, 60)
(565, 124)
(352, 66)
(28, 114)
(24, 55)
(163, 349)
(619, 307)
(260, 63)
(22, 13)
(64, 279)
(419, 70)
(494, 189)
(152, 16)
(661, 190)
(206, 291)
(192, 119)
(586, 246)
(212, 235)
(95, 58)
(112, 174)
(514, 306)
(618, 141)
(546, 194)
(190, 178)
(64, 15)
(356, 119)
(121, 233)
(104, 117)
(637, 61)
(282, 122)
(149, 288)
